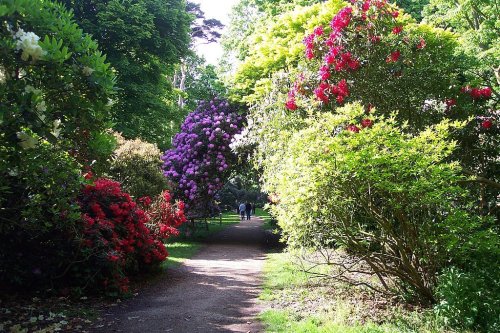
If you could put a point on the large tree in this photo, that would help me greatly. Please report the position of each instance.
(143, 40)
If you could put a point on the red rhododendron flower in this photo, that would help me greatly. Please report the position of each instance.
(486, 124)
(309, 54)
(318, 31)
(476, 93)
(394, 56)
(450, 103)
(395, 14)
(366, 123)
(290, 103)
(421, 44)
(145, 201)
(366, 5)
(353, 128)
(324, 72)
(342, 19)
(486, 92)
(397, 30)
(329, 58)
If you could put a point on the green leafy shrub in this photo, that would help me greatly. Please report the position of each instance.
(39, 216)
(469, 299)
(137, 166)
(54, 104)
(389, 198)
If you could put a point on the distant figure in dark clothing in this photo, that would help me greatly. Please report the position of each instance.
(253, 209)
(248, 209)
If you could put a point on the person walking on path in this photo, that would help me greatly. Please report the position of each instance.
(248, 209)
(242, 210)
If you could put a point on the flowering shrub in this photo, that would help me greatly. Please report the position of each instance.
(200, 159)
(136, 165)
(371, 53)
(115, 234)
(54, 90)
(164, 216)
(52, 75)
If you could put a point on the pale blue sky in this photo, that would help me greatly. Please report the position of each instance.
(220, 10)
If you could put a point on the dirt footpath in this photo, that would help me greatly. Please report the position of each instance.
(215, 291)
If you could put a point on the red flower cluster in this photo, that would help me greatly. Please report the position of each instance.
(487, 123)
(477, 93)
(115, 232)
(353, 20)
(394, 57)
(290, 103)
(341, 90)
(397, 30)
(365, 123)
(164, 216)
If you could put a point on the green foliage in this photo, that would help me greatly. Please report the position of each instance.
(276, 46)
(413, 7)
(60, 91)
(469, 299)
(54, 90)
(137, 166)
(386, 196)
(143, 40)
(479, 28)
(249, 15)
(201, 83)
(39, 215)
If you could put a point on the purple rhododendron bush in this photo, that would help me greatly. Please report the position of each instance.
(201, 160)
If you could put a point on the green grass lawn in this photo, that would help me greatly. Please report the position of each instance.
(182, 247)
(298, 304)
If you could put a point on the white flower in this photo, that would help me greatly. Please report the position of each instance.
(41, 106)
(56, 129)
(3, 75)
(432, 105)
(27, 141)
(87, 71)
(13, 172)
(28, 43)
(111, 102)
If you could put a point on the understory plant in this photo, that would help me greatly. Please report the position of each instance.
(136, 165)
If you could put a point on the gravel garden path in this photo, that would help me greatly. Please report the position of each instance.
(214, 291)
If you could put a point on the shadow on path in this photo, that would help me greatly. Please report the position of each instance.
(215, 291)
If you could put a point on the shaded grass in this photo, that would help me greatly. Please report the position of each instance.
(295, 303)
(269, 223)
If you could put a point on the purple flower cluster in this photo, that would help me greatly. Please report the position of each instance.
(200, 160)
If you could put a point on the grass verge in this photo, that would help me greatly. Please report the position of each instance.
(296, 303)
(269, 223)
